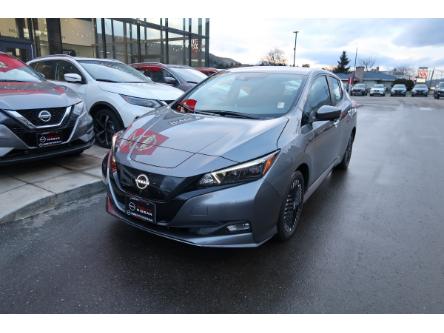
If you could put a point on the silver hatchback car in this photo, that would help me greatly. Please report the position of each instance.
(231, 162)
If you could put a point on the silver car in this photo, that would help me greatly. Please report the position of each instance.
(231, 163)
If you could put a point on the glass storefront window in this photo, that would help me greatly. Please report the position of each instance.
(99, 40)
(195, 25)
(128, 40)
(176, 23)
(177, 48)
(78, 37)
(119, 41)
(41, 36)
(150, 44)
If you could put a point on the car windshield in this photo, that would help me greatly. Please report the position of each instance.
(378, 86)
(188, 74)
(399, 86)
(252, 94)
(112, 71)
(13, 70)
(421, 86)
(441, 85)
(360, 85)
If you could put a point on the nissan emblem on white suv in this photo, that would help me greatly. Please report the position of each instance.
(142, 181)
(45, 116)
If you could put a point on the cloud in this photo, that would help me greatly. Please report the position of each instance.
(423, 32)
(413, 42)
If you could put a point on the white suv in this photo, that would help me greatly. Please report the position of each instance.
(114, 93)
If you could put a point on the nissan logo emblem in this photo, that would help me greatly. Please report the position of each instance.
(45, 116)
(142, 182)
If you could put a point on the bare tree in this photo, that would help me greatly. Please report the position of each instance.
(403, 71)
(368, 63)
(274, 57)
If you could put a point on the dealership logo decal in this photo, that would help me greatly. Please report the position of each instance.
(45, 116)
(142, 181)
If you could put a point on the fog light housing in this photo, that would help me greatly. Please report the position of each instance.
(244, 226)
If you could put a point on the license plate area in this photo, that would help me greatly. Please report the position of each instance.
(49, 139)
(141, 210)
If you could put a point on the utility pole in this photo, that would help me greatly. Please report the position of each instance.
(354, 73)
(295, 41)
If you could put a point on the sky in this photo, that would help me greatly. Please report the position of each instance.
(391, 42)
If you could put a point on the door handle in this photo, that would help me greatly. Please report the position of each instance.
(336, 123)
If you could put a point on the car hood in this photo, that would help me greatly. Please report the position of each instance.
(420, 89)
(166, 139)
(143, 90)
(377, 89)
(35, 95)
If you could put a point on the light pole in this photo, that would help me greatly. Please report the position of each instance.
(295, 41)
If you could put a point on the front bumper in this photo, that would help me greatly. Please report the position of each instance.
(376, 92)
(420, 93)
(398, 93)
(201, 217)
(14, 149)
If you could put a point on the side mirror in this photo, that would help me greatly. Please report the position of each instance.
(327, 112)
(72, 77)
(170, 80)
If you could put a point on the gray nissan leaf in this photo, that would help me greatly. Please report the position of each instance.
(37, 118)
(231, 162)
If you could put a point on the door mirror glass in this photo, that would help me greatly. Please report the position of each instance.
(72, 77)
(170, 80)
(328, 112)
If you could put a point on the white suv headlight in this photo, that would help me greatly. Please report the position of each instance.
(244, 172)
(79, 108)
(145, 102)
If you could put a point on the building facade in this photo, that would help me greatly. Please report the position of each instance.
(183, 41)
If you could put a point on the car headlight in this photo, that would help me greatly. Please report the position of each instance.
(244, 172)
(79, 108)
(148, 103)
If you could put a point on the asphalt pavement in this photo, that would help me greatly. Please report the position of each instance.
(371, 241)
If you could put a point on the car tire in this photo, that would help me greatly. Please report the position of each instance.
(106, 123)
(291, 210)
(343, 165)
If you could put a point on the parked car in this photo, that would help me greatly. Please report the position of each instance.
(398, 90)
(377, 89)
(439, 90)
(38, 119)
(420, 89)
(359, 89)
(263, 139)
(179, 76)
(208, 71)
(114, 93)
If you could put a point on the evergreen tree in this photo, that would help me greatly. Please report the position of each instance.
(343, 62)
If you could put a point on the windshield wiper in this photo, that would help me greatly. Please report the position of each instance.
(224, 113)
(106, 80)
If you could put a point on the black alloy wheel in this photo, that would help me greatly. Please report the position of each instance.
(106, 123)
(291, 209)
(343, 165)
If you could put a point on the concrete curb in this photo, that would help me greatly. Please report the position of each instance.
(54, 200)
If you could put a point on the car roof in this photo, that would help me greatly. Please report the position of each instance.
(159, 64)
(66, 56)
(278, 69)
